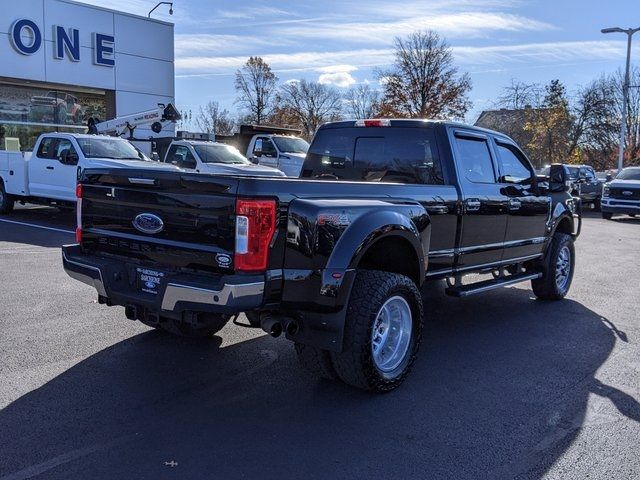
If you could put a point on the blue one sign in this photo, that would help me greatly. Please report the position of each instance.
(26, 38)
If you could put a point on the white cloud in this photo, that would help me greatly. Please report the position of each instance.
(551, 52)
(338, 79)
(466, 56)
(203, 44)
(454, 25)
(337, 69)
(300, 61)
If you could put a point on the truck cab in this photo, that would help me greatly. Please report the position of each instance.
(284, 152)
(276, 147)
(216, 158)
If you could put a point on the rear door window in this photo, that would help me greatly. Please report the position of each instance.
(387, 154)
(474, 159)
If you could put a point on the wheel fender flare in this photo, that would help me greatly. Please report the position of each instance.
(559, 214)
(370, 228)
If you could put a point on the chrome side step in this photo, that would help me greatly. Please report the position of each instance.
(480, 287)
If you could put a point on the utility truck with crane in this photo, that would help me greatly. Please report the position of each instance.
(48, 175)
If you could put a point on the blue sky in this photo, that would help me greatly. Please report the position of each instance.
(343, 42)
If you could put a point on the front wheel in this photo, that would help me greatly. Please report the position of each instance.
(6, 200)
(383, 329)
(557, 269)
(597, 205)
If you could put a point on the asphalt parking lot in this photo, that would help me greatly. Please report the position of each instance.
(505, 386)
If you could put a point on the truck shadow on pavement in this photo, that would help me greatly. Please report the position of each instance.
(499, 390)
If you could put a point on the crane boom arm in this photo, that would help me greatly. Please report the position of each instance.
(128, 123)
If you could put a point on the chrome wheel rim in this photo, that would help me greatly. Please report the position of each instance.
(391, 334)
(563, 267)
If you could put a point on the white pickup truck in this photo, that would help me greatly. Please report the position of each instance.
(275, 147)
(48, 174)
(216, 158)
(284, 152)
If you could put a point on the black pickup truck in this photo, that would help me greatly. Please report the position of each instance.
(335, 259)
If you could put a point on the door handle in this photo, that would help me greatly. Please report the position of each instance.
(472, 205)
(49, 167)
(514, 204)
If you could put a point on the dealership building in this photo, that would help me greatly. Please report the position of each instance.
(62, 62)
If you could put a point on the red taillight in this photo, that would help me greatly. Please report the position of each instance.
(79, 213)
(255, 226)
(374, 122)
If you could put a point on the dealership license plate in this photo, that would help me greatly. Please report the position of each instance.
(149, 280)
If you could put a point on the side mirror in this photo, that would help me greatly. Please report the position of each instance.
(609, 177)
(257, 149)
(557, 178)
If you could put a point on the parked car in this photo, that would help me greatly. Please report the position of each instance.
(50, 174)
(211, 157)
(622, 194)
(584, 184)
(56, 107)
(334, 260)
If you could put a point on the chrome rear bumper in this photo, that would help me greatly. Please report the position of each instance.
(180, 292)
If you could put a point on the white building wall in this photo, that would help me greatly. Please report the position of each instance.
(142, 77)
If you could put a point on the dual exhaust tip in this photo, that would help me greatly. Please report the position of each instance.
(275, 327)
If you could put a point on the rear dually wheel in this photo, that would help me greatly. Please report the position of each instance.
(383, 329)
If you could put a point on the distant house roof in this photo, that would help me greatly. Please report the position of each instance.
(503, 119)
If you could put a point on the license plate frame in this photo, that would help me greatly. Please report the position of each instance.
(149, 281)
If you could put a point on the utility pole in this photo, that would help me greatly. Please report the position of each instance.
(625, 89)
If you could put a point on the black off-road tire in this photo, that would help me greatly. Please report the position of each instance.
(6, 201)
(607, 215)
(316, 361)
(183, 329)
(597, 205)
(355, 365)
(546, 287)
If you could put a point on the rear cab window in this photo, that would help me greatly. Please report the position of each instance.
(375, 154)
(474, 158)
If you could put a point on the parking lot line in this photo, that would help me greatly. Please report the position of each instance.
(38, 226)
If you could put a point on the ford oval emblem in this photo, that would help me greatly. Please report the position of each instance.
(148, 223)
(628, 193)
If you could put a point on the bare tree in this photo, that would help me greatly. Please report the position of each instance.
(424, 83)
(518, 95)
(310, 103)
(256, 87)
(212, 119)
(362, 101)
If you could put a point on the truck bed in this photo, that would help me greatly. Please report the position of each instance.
(14, 167)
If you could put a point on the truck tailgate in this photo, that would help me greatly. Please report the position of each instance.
(194, 216)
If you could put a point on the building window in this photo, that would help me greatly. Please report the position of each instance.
(27, 111)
